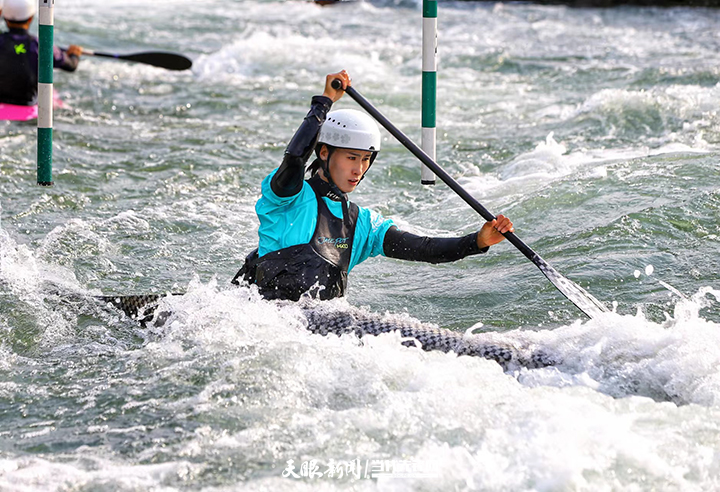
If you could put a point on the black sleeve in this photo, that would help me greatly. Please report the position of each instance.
(288, 180)
(407, 246)
(69, 63)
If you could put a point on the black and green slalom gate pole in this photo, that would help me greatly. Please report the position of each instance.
(45, 92)
(574, 293)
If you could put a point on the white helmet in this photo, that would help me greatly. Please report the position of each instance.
(19, 10)
(349, 129)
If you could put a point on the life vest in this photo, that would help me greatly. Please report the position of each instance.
(319, 267)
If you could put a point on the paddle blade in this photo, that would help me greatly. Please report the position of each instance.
(140, 307)
(575, 294)
(169, 61)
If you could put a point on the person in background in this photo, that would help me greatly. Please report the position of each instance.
(311, 235)
(19, 54)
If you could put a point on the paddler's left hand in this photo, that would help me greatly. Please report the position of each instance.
(492, 232)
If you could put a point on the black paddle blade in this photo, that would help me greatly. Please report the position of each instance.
(575, 294)
(170, 61)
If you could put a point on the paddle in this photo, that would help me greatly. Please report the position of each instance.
(575, 294)
(139, 307)
(170, 61)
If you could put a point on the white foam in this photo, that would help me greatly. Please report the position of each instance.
(241, 380)
(31, 474)
(548, 162)
(302, 396)
(545, 160)
(554, 427)
(629, 355)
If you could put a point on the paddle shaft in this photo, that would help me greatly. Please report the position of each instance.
(141, 307)
(104, 55)
(434, 167)
(582, 299)
(98, 53)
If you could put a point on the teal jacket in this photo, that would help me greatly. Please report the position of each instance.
(287, 221)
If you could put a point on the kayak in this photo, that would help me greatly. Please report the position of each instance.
(146, 309)
(14, 112)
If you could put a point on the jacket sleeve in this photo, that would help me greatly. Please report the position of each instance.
(64, 61)
(288, 180)
(407, 246)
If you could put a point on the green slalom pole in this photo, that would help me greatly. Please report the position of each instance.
(45, 92)
(429, 87)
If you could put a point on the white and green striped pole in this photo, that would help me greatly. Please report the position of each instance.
(45, 92)
(429, 86)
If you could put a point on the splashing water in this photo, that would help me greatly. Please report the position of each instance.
(595, 131)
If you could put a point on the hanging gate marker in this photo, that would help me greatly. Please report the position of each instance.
(429, 86)
(45, 92)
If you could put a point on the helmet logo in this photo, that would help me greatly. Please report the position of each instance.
(338, 138)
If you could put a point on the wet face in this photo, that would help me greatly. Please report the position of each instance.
(347, 166)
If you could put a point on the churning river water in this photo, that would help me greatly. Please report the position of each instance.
(596, 131)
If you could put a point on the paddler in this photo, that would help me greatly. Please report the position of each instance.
(19, 55)
(311, 236)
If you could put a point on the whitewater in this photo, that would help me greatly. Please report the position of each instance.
(595, 130)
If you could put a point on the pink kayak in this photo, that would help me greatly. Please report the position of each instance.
(13, 112)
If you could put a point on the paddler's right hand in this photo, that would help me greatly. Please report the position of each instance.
(334, 94)
(492, 232)
(74, 50)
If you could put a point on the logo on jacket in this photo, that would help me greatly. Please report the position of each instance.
(20, 49)
(339, 242)
(333, 196)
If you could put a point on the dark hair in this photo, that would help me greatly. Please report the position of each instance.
(318, 163)
(17, 21)
(314, 167)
